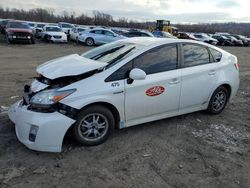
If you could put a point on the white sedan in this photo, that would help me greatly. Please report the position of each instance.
(53, 33)
(76, 32)
(99, 36)
(121, 84)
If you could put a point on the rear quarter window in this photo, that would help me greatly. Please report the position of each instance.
(216, 55)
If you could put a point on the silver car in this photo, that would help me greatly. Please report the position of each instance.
(99, 36)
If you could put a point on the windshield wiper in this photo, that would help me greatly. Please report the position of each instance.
(106, 52)
(112, 62)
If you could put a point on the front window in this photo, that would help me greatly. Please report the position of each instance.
(40, 25)
(108, 33)
(54, 29)
(159, 59)
(112, 53)
(81, 29)
(66, 26)
(20, 25)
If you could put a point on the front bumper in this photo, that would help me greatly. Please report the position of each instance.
(58, 40)
(51, 127)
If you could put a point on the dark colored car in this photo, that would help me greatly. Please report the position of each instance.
(245, 41)
(223, 41)
(3, 24)
(135, 33)
(17, 31)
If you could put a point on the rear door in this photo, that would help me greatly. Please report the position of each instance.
(198, 75)
(159, 93)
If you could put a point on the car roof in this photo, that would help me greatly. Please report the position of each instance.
(153, 41)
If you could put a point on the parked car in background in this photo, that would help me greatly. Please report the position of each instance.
(222, 40)
(53, 34)
(76, 32)
(38, 29)
(3, 24)
(203, 37)
(122, 84)
(31, 25)
(184, 35)
(245, 41)
(163, 34)
(18, 31)
(235, 41)
(138, 33)
(66, 28)
(99, 36)
(119, 31)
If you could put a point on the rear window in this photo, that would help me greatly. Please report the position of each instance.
(216, 55)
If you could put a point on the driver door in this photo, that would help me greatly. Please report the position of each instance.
(159, 93)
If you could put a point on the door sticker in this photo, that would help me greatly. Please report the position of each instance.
(154, 91)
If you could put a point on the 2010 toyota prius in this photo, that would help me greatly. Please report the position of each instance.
(121, 84)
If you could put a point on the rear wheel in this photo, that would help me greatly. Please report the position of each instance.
(94, 125)
(90, 42)
(218, 100)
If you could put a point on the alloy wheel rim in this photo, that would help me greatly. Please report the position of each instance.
(93, 127)
(89, 42)
(219, 101)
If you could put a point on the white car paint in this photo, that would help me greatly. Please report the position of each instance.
(56, 36)
(182, 90)
(76, 32)
(64, 67)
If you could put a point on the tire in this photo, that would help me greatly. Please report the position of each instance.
(92, 121)
(218, 100)
(90, 42)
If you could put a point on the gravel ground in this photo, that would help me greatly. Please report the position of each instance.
(193, 150)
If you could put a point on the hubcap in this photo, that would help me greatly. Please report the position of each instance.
(89, 42)
(93, 127)
(219, 101)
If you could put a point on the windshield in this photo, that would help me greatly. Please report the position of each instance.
(31, 24)
(55, 29)
(40, 25)
(66, 25)
(113, 52)
(80, 29)
(21, 25)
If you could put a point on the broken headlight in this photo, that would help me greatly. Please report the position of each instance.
(49, 97)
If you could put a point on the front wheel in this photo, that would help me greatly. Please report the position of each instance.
(94, 125)
(218, 100)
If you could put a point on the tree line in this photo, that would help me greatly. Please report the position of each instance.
(103, 19)
(48, 15)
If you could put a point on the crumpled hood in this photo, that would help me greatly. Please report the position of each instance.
(70, 65)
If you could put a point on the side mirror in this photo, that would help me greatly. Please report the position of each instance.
(137, 74)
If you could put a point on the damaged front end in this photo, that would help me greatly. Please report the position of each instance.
(44, 94)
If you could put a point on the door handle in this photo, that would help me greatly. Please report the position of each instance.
(212, 72)
(174, 81)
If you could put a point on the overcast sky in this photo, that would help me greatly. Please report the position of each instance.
(178, 11)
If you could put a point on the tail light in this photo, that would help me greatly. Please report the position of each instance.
(237, 66)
